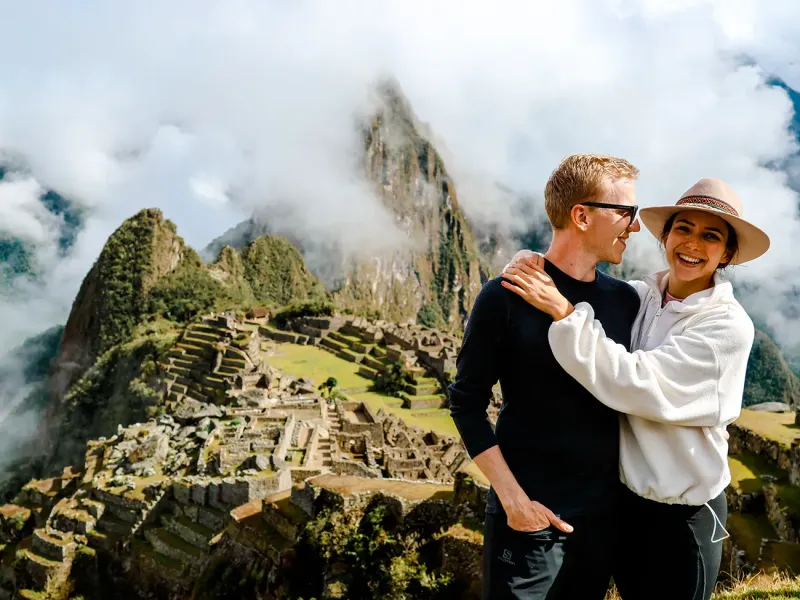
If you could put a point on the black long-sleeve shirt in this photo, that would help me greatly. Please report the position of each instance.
(561, 444)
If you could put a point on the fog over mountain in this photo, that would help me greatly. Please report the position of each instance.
(213, 111)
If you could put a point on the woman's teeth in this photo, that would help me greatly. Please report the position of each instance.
(689, 259)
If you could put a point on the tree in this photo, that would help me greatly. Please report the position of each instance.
(393, 380)
(329, 384)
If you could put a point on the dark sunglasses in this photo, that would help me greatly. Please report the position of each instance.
(632, 210)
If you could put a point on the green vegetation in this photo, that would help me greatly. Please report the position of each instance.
(746, 472)
(748, 530)
(277, 273)
(328, 385)
(394, 379)
(36, 353)
(16, 257)
(769, 378)
(430, 315)
(317, 365)
(14, 260)
(779, 427)
(119, 282)
(378, 559)
(439, 280)
(118, 388)
(319, 307)
(760, 587)
(190, 290)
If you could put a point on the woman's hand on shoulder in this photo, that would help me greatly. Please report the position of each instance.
(526, 277)
(524, 257)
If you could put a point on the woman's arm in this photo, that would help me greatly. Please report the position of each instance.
(695, 378)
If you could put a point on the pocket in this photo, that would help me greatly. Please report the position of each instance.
(544, 535)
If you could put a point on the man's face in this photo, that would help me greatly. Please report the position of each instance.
(608, 229)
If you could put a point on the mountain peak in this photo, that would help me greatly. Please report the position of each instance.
(112, 298)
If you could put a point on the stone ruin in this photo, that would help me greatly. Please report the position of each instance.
(236, 431)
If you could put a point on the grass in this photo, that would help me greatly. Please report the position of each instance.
(760, 587)
(763, 586)
(779, 427)
(781, 556)
(746, 471)
(316, 364)
(748, 530)
(412, 491)
(789, 499)
(434, 419)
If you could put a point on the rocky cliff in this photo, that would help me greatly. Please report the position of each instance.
(436, 277)
(438, 282)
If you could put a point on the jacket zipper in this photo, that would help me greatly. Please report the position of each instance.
(653, 324)
(643, 338)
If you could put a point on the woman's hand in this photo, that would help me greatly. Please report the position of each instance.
(526, 277)
(523, 257)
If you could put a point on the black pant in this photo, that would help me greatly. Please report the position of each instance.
(669, 551)
(548, 564)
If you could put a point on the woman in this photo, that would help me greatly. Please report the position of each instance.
(679, 388)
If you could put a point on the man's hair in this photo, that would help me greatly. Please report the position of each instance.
(580, 178)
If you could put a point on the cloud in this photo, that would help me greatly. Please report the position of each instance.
(210, 110)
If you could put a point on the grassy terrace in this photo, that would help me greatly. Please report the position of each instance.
(746, 472)
(773, 426)
(409, 490)
(748, 531)
(317, 365)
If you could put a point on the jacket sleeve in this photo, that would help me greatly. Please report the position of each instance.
(477, 368)
(694, 378)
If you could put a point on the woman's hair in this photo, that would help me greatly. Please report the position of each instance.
(732, 247)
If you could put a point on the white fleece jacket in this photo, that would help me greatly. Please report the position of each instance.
(680, 387)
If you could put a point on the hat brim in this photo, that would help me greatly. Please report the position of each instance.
(753, 242)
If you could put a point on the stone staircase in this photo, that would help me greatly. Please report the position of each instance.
(181, 541)
(190, 369)
(324, 449)
(118, 519)
(334, 422)
(324, 443)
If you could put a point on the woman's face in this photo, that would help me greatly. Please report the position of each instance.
(696, 245)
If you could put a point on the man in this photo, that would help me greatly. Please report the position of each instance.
(552, 460)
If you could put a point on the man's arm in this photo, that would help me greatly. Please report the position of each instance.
(477, 370)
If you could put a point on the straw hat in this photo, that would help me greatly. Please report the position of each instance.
(715, 197)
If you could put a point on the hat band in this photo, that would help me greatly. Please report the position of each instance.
(708, 202)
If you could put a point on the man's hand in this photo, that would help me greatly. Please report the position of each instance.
(532, 516)
(523, 514)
